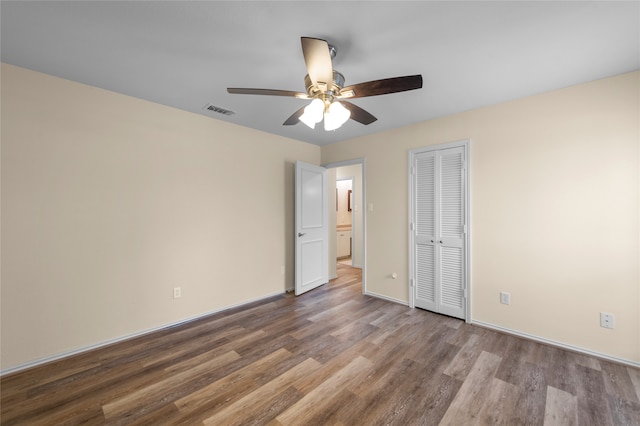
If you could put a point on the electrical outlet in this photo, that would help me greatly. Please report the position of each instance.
(177, 292)
(505, 298)
(606, 320)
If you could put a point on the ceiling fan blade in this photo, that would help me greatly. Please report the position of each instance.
(382, 87)
(294, 119)
(318, 60)
(269, 92)
(358, 114)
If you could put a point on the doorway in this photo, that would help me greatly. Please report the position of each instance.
(344, 173)
(345, 209)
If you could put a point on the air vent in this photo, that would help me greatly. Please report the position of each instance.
(218, 109)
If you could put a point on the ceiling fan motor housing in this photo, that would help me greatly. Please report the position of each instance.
(326, 91)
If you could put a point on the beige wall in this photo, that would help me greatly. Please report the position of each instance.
(555, 219)
(108, 202)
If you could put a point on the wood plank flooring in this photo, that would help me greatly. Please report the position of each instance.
(331, 356)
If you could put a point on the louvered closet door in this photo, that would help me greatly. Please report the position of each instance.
(451, 231)
(439, 231)
(424, 193)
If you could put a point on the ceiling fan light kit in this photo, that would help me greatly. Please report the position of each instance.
(325, 86)
(333, 113)
(324, 106)
(335, 116)
(313, 113)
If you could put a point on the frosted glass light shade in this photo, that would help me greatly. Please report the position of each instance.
(313, 113)
(335, 116)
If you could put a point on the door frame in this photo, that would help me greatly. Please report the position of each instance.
(352, 162)
(466, 145)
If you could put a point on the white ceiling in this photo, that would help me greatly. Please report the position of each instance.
(185, 53)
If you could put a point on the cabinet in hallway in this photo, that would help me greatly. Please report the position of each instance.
(344, 244)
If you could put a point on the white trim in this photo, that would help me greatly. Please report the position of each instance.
(556, 343)
(469, 232)
(411, 171)
(363, 161)
(351, 162)
(387, 298)
(466, 145)
(66, 354)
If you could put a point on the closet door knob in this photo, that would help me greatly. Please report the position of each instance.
(300, 234)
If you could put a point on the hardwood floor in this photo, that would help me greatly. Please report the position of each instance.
(331, 356)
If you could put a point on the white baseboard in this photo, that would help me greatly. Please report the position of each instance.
(387, 298)
(557, 344)
(66, 354)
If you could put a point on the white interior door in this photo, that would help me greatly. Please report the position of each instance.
(439, 230)
(312, 230)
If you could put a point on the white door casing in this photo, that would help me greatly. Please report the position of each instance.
(439, 229)
(311, 228)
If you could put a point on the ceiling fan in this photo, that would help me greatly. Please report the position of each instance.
(325, 87)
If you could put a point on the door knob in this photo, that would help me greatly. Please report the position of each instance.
(300, 234)
(431, 240)
(440, 241)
